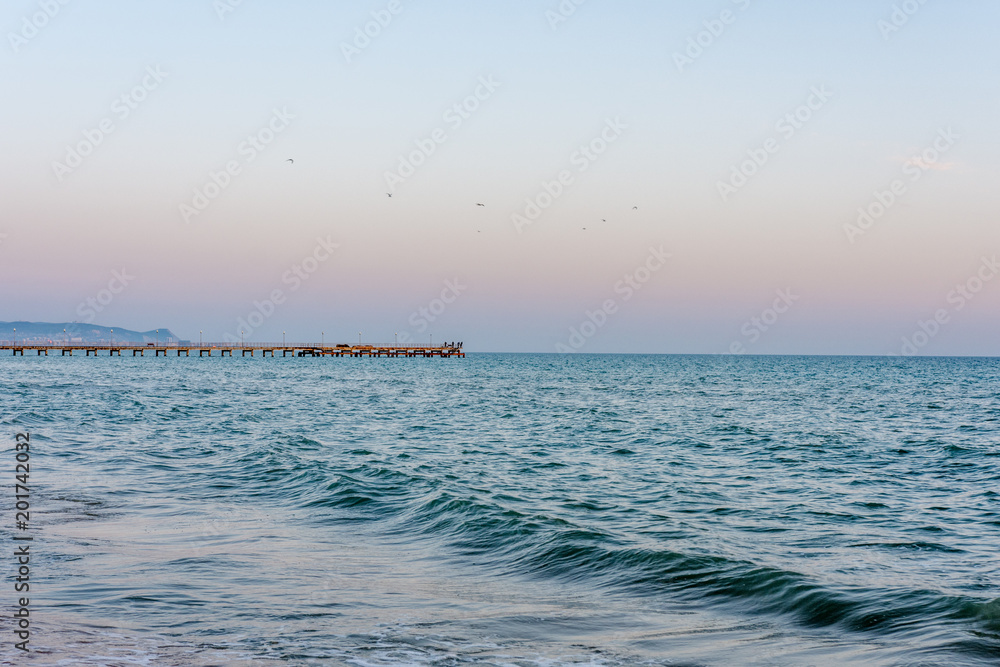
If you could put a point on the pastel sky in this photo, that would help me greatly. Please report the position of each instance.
(748, 157)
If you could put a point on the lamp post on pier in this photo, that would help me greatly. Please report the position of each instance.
(157, 338)
(15, 336)
(397, 339)
(322, 339)
(241, 339)
(282, 339)
(112, 338)
(359, 339)
(200, 344)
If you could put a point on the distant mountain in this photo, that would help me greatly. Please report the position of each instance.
(75, 332)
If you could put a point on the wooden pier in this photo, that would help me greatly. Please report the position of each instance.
(228, 350)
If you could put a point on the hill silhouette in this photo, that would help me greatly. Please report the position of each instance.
(77, 332)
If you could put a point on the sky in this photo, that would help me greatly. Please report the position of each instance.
(721, 177)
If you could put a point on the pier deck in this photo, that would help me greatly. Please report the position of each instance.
(230, 350)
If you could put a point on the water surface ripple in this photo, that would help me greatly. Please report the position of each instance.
(511, 510)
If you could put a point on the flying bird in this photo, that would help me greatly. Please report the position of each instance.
(389, 195)
(635, 208)
(480, 204)
(603, 220)
(290, 160)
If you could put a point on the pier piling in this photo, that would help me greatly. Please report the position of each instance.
(310, 350)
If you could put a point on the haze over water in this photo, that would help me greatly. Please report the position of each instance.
(511, 510)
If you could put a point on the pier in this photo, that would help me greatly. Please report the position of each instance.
(231, 350)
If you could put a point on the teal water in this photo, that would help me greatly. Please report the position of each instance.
(509, 510)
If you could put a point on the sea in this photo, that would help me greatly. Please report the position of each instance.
(504, 509)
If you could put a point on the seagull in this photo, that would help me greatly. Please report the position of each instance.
(603, 220)
(389, 195)
(481, 205)
(290, 160)
(635, 208)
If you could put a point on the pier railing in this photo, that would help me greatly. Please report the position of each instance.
(228, 349)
